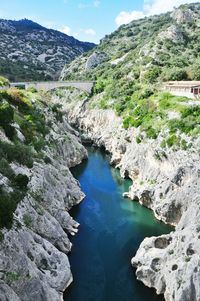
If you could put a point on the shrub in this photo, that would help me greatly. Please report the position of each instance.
(56, 109)
(8, 204)
(173, 140)
(6, 114)
(151, 133)
(32, 89)
(138, 139)
(18, 99)
(27, 220)
(10, 131)
(1, 236)
(21, 181)
(5, 169)
(175, 74)
(152, 74)
(4, 81)
(47, 160)
(196, 70)
(18, 152)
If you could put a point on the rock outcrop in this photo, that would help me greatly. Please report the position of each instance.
(33, 254)
(165, 180)
(171, 263)
(95, 59)
(180, 15)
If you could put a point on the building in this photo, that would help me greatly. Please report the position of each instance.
(190, 89)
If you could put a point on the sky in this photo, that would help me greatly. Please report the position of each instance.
(86, 20)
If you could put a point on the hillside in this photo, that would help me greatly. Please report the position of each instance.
(130, 65)
(29, 51)
(167, 46)
(37, 148)
(152, 136)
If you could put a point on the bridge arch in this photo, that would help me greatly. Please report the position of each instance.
(85, 86)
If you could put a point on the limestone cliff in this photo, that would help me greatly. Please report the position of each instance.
(33, 253)
(165, 180)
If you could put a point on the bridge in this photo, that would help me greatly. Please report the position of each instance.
(85, 86)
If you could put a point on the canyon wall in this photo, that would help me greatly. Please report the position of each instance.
(33, 254)
(165, 180)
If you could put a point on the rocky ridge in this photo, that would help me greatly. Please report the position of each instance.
(166, 181)
(29, 51)
(34, 263)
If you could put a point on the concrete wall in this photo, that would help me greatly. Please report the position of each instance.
(182, 93)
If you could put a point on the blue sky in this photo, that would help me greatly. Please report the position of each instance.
(87, 20)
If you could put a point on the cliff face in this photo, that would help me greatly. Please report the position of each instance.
(165, 180)
(33, 253)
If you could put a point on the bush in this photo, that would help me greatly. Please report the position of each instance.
(21, 181)
(27, 220)
(138, 139)
(4, 81)
(6, 114)
(6, 118)
(18, 152)
(8, 204)
(56, 109)
(5, 169)
(151, 133)
(173, 140)
(196, 70)
(32, 89)
(18, 99)
(152, 74)
(175, 74)
(1, 236)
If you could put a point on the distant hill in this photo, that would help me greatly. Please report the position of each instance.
(131, 64)
(29, 51)
(161, 47)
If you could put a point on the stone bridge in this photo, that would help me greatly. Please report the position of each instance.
(85, 86)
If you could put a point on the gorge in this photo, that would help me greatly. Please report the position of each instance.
(111, 229)
(99, 180)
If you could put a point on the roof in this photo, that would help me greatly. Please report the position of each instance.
(183, 84)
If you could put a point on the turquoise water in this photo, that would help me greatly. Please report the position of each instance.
(110, 233)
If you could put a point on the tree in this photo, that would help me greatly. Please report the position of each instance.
(196, 70)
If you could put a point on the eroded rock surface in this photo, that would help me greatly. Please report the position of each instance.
(33, 254)
(165, 180)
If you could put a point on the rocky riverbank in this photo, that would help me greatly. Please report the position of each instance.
(164, 180)
(33, 254)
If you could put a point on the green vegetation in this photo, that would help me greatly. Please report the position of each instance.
(23, 122)
(27, 220)
(151, 50)
(24, 65)
(8, 204)
(3, 81)
(12, 277)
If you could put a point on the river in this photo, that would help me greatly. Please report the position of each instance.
(111, 230)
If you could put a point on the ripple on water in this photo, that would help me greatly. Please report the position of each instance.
(111, 231)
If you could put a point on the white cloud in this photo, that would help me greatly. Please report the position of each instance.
(126, 17)
(96, 3)
(150, 7)
(89, 31)
(66, 30)
(161, 6)
(83, 5)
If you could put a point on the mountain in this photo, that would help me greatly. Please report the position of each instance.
(130, 65)
(29, 51)
(152, 136)
(160, 47)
